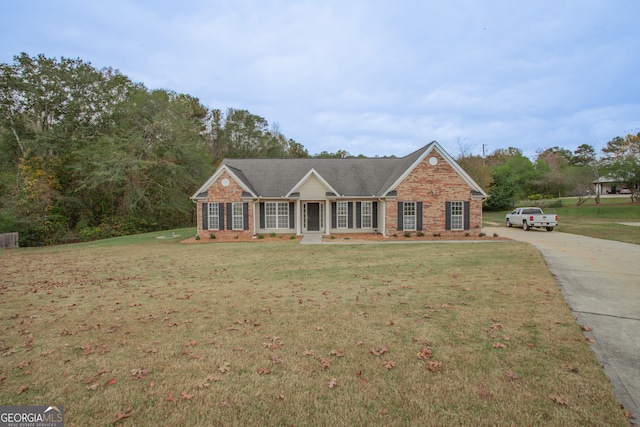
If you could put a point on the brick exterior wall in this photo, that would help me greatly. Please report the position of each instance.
(221, 194)
(433, 185)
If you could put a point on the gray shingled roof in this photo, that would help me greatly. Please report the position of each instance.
(349, 177)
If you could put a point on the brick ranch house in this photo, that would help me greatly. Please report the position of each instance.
(426, 191)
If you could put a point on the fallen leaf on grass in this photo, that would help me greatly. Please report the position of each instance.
(388, 364)
(224, 368)
(569, 368)
(112, 381)
(277, 359)
(22, 388)
(122, 416)
(139, 373)
(333, 383)
(434, 366)
(324, 363)
(590, 340)
(308, 353)
(425, 353)
(24, 364)
(264, 371)
(499, 345)
(187, 396)
(484, 393)
(511, 375)
(337, 353)
(170, 398)
(586, 328)
(379, 352)
(559, 400)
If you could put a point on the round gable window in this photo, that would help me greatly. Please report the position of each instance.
(225, 182)
(433, 161)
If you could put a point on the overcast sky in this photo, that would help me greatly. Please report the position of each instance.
(374, 77)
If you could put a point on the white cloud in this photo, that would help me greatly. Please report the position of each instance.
(371, 77)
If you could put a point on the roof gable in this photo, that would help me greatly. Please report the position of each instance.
(237, 175)
(311, 173)
(420, 155)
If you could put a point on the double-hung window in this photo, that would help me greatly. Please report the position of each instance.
(238, 216)
(214, 216)
(457, 215)
(276, 214)
(342, 214)
(366, 212)
(409, 215)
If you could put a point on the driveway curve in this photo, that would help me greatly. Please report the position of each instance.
(600, 280)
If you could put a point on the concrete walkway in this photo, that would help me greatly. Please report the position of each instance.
(311, 239)
(600, 280)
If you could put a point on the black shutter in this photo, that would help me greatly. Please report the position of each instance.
(467, 216)
(419, 216)
(245, 216)
(350, 213)
(447, 216)
(334, 214)
(221, 216)
(292, 222)
(400, 214)
(262, 215)
(374, 214)
(229, 216)
(358, 214)
(205, 216)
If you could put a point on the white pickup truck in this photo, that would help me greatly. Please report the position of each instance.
(531, 217)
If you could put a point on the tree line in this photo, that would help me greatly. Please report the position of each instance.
(510, 177)
(86, 153)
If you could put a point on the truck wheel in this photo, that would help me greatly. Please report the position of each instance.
(549, 228)
(508, 223)
(525, 226)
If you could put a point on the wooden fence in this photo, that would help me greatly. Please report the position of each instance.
(8, 240)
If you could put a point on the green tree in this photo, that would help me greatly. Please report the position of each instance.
(513, 179)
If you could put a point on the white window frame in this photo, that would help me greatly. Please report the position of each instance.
(214, 212)
(276, 215)
(456, 216)
(237, 210)
(342, 215)
(409, 216)
(366, 214)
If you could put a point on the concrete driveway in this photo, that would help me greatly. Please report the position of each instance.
(600, 280)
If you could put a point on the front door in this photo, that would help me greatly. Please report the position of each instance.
(313, 216)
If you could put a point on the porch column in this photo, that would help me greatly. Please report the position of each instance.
(255, 229)
(327, 218)
(299, 218)
(384, 218)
